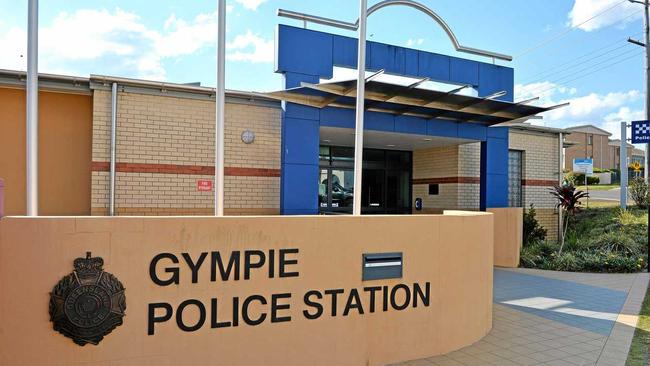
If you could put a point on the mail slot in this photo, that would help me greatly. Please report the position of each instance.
(378, 266)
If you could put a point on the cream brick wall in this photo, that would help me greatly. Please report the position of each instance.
(156, 129)
(541, 162)
(448, 162)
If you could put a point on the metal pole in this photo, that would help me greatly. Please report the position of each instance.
(220, 115)
(361, 91)
(623, 165)
(647, 84)
(111, 191)
(32, 110)
(561, 180)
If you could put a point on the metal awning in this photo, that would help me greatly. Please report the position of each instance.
(412, 100)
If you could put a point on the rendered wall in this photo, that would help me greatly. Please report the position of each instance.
(65, 131)
(508, 231)
(452, 252)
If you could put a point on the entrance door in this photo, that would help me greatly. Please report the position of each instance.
(386, 181)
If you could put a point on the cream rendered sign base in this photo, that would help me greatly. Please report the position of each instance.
(279, 290)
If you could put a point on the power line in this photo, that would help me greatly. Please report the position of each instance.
(561, 76)
(567, 31)
(537, 91)
(621, 43)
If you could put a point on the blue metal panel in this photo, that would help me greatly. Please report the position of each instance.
(304, 51)
(345, 51)
(411, 62)
(441, 127)
(293, 80)
(494, 173)
(410, 124)
(390, 58)
(472, 131)
(464, 71)
(498, 132)
(299, 189)
(433, 66)
(301, 138)
(337, 117)
(497, 157)
(293, 110)
(378, 121)
(494, 78)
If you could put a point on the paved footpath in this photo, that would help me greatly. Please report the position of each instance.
(556, 318)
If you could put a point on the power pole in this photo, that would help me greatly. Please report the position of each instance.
(646, 45)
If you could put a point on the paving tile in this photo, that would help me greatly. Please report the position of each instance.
(555, 318)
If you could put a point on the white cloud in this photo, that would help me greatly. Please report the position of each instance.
(251, 4)
(586, 9)
(613, 120)
(251, 48)
(414, 42)
(602, 110)
(116, 36)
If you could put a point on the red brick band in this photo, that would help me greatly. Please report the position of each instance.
(477, 180)
(448, 180)
(102, 166)
(539, 182)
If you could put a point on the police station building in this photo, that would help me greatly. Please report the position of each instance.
(288, 273)
(428, 138)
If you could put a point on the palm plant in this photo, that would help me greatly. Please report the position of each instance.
(568, 200)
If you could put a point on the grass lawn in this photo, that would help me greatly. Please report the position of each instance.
(639, 350)
(599, 187)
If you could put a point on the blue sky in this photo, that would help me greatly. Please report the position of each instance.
(565, 50)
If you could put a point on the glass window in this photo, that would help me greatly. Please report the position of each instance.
(514, 178)
(591, 140)
(342, 188)
(323, 189)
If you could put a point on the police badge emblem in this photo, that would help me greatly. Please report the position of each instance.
(87, 304)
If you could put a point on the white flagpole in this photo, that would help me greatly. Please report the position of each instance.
(32, 110)
(361, 91)
(220, 115)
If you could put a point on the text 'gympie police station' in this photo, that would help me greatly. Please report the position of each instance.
(167, 269)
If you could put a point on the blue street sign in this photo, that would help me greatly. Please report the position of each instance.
(640, 132)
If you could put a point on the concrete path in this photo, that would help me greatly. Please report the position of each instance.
(556, 318)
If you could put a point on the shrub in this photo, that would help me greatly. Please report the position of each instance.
(533, 231)
(639, 192)
(578, 179)
(615, 242)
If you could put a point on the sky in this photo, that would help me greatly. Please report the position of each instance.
(564, 50)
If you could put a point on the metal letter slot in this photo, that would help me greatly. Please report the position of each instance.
(378, 266)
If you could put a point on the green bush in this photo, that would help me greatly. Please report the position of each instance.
(614, 242)
(639, 192)
(578, 179)
(533, 231)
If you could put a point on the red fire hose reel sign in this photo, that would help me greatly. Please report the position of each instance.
(204, 185)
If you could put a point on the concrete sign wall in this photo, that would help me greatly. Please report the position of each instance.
(242, 290)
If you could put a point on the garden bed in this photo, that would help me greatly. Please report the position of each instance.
(601, 239)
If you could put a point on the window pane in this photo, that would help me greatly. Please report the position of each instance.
(322, 188)
(342, 188)
(514, 178)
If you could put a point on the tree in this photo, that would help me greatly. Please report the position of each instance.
(568, 200)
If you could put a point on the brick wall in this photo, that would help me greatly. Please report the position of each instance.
(457, 171)
(166, 144)
(540, 172)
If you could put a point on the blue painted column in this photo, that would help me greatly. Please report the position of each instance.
(299, 155)
(494, 169)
